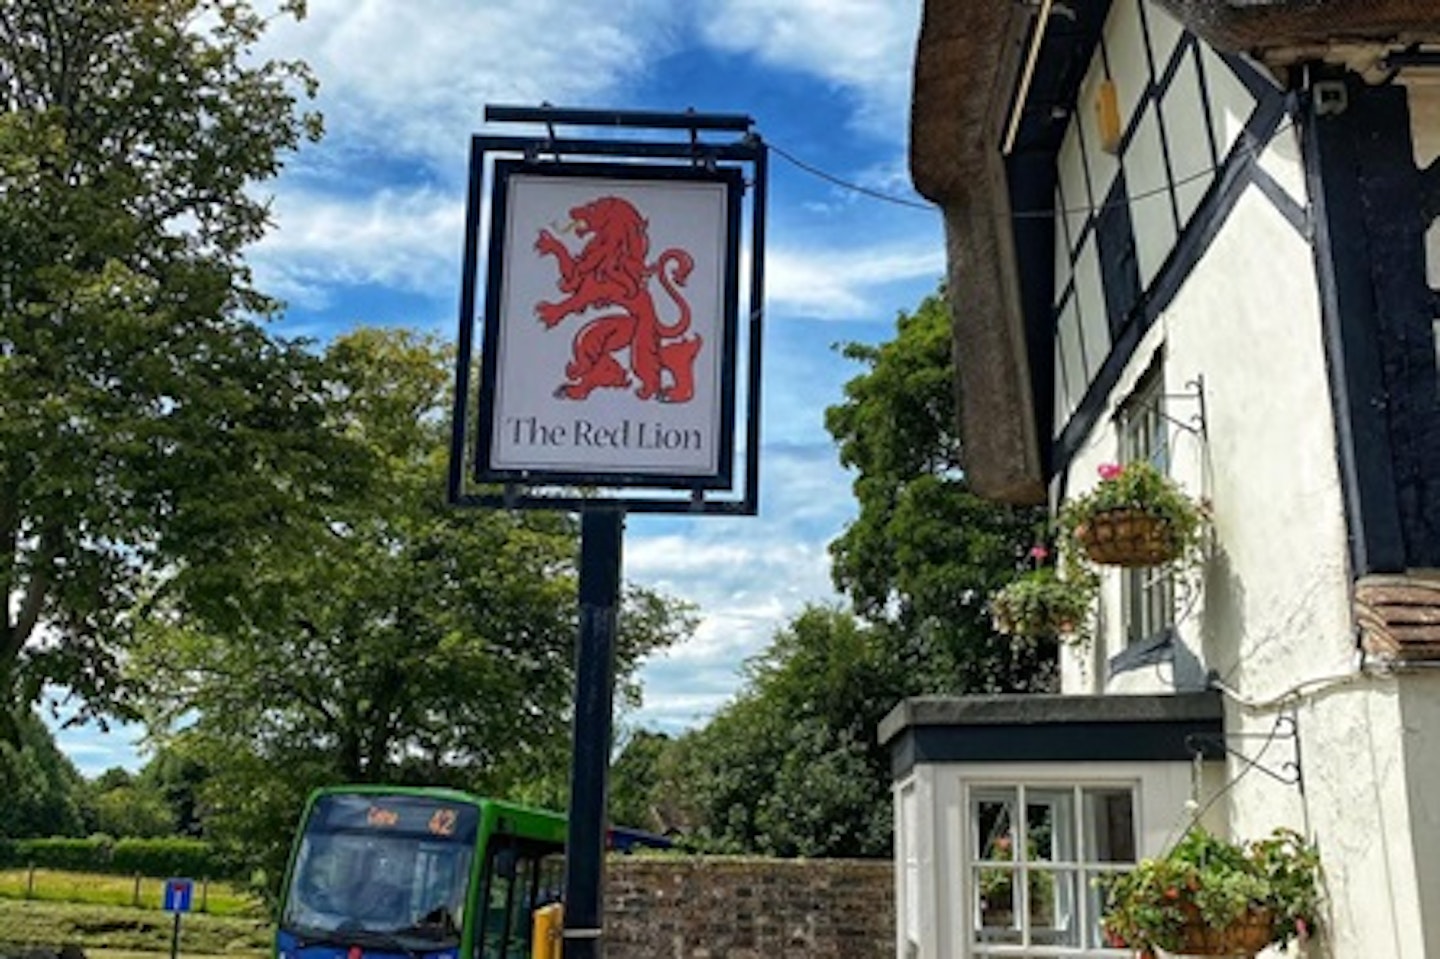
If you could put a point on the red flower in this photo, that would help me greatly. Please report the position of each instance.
(1110, 471)
(1039, 553)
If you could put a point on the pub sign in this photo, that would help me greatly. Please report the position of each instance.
(610, 325)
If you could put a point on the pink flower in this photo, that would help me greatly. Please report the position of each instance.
(1039, 553)
(1110, 471)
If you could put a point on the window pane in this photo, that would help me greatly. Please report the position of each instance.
(1148, 594)
(1053, 917)
(993, 818)
(1109, 824)
(995, 907)
(1050, 825)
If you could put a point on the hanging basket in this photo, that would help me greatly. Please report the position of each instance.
(1033, 626)
(1040, 604)
(1244, 938)
(1127, 537)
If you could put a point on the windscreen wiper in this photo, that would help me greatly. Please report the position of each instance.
(348, 935)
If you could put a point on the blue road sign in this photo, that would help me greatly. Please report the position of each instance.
(178, 894)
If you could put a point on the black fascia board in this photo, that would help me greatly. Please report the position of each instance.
(1032, 729)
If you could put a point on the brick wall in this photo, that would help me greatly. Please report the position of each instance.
(713, 908)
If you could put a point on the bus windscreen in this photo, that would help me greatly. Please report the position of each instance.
(387, 872)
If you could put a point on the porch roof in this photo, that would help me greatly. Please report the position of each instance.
(1053, 728)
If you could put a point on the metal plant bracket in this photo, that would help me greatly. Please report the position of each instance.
(1288, 772)
(1194, 392)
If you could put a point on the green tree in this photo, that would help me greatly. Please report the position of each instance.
(399, 640)
(924, 553)
(634, 799)
(133, 811)
(43, 792)
(115, 777)
(178, 780)
(792, 767)
(149, 428)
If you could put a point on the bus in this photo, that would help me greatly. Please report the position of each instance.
(422, 873)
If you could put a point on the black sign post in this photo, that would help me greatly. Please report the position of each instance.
(601, 533)
(660, 435)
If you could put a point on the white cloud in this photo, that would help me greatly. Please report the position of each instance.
(414, 77)
(406, 239)
(94, 750)
(864, 46)
(839, 283)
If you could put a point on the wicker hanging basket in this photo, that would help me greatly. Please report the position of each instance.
(1127, 537)
(1244, 938)
(1031, 627)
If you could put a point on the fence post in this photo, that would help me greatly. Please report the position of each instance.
(30, 882)
(204, 892)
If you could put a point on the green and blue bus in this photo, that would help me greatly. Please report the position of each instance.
(388, 872)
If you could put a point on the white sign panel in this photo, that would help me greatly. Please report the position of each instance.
(610, 339)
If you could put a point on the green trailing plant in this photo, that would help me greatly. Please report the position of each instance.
(1043, 602)
(1137, 489)
(1217, 885)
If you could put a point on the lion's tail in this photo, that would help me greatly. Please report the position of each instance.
(673, 268)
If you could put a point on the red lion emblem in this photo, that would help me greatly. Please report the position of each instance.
(611, 271)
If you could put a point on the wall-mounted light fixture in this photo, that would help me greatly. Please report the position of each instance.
(1107, 116)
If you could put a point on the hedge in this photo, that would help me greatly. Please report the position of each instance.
(158, 858)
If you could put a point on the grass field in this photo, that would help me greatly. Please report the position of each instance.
(95, 913)
(48, 885)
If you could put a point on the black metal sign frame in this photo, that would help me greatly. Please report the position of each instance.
(741, 163)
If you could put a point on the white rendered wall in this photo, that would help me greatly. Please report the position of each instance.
(1273, 620)
(1274, 614)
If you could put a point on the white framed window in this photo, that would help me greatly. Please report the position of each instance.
(1037, 860)
(1147, 593)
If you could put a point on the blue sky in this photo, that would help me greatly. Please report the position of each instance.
(369, 227)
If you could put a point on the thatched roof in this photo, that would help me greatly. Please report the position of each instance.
(969, 55)
(1255, 26)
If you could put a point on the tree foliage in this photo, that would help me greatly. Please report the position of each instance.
(792, 766)
(148, 426)
(177, 779)
(43, 793)
(133, 811)
(396, 640)
(633, 799)
(924, 553)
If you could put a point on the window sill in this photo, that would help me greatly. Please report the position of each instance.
(1159, 648)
